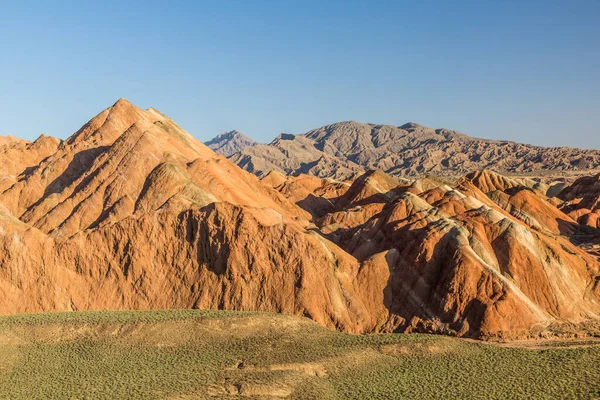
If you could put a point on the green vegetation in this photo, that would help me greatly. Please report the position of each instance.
(209, 354)
(114, 317)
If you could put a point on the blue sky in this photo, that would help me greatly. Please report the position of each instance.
(518, 70)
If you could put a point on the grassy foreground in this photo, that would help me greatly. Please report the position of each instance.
(229, 355)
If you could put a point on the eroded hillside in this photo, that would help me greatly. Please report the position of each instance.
(132, 212)
(486, 256)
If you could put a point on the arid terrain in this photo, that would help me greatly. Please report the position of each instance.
(131, 212)
(344, 149)
(229, 143)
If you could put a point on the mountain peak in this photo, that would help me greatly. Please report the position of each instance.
(234, 134)
(44, 140)
(107, 126)
(8, 140)
(229, 143)
(122, 102)
(124, 106)
(412, 126)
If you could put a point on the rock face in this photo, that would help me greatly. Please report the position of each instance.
(229, 143)
(18, 156)
(582, 200)
(4, 140)
(340, 150)
(452, 259)
(131, 212)
(315, 195)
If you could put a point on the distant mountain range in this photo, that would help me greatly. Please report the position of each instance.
(343, 149)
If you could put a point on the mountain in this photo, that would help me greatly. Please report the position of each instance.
(411, 150)
(485, 257)
(229, 143)
(294, 155)
(132, 212)
(315, 195)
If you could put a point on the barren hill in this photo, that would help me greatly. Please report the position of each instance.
(18, 155)
(131, 212)
(294, 155)
(411, 150)
(229, 143)
(453, 259)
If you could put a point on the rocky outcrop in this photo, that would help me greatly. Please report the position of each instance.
(318, 196)
(21, 156)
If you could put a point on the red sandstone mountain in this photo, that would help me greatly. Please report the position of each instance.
(131, 212)
(315, 195)
(455, 260)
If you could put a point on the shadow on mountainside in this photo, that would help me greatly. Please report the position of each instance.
(583, 234)
(419, 288)
(211, 250)
(317, 206)
(79, 165)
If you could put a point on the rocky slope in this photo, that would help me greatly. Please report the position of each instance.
(294, 155)
(18, 155)
(315, 195)
(340, 150)
(453, 259)
(229, 143)
(131, 212)
(582, 200)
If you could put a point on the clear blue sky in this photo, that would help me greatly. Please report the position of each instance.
(519, 70)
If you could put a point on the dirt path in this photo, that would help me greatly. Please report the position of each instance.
(545, 344)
